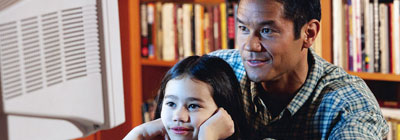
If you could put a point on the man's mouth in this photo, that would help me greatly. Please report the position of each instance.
(257, 63)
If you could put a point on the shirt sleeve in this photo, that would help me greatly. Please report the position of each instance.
(359, 118)
(360, 125)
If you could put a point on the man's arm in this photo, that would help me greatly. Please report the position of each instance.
(360, 125)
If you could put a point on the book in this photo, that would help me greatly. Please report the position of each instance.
(144, 50)
(217, 28)
(396, 36)
(384, 37)
(377, 51)
(151, 30)
(337, 32)
(230, 23)
(187, 29)
(199, 31)
(179, 29)
(224, 32)
(168, 27)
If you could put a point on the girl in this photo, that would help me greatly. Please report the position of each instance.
(191, 92)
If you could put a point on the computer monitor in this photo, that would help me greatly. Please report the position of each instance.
(60, 68)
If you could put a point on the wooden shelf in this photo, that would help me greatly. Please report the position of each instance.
(377, 76)
(150, 62)
(186, 1)
(363, 75)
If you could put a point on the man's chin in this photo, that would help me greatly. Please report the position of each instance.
(255, 78)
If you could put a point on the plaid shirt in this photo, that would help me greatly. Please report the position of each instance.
(331, 104)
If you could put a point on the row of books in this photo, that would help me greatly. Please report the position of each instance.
(148, 110)
(366, 35)
(170, 31)
(394, 129)
(392, 117)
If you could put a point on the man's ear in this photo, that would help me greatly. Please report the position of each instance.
(311, 31)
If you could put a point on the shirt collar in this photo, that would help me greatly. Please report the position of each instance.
(315, 72)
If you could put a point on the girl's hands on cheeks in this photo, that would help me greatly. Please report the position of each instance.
(218, 126)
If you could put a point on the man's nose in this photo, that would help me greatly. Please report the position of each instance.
(253, 43)
(181, 114)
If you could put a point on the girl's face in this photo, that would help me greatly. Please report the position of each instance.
(187, 104)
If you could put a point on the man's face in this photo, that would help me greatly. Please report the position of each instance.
(266, 40)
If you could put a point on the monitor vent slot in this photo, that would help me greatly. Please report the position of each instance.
(52, 48)
(5, 3)
(74, 43)
(10, 62)
(49, 49)
(92, 40)
(32, 54)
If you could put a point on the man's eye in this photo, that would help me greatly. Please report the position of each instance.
(170, 104)
(243, 29)
(193, 107)
(265, 31)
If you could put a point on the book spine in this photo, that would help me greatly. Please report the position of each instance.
(217, 28)
(151, 35)
(224, 37)
(377, 52)
(144, 51)
(187, 29)
(168, 48)
(230, 24)
(396, 36)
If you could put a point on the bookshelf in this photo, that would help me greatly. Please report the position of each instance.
(376, 81)
(142, 76)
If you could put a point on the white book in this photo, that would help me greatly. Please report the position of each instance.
(179, 27)
(143, 19)
(359, 38)
(390, 134)
(377, 52)
(384, 37)
(338, 34)
(369, 34)
(199, 28)
(187, 29)
(168, 47)
(356, 37)
(396, 36)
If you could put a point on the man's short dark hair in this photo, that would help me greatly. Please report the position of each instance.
(300, 12)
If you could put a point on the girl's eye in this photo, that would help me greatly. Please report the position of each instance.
(266, 31)
(171, 104)
(193, 107)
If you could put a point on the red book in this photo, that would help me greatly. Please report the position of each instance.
(217, 28)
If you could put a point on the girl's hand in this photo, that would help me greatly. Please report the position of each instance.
(218, 126)
(147, 131)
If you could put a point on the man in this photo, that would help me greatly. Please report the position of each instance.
(290, 92)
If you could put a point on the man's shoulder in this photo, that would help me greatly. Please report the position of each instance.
(350, 91)
(226, 53)
(337, 85)
(232, 56)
